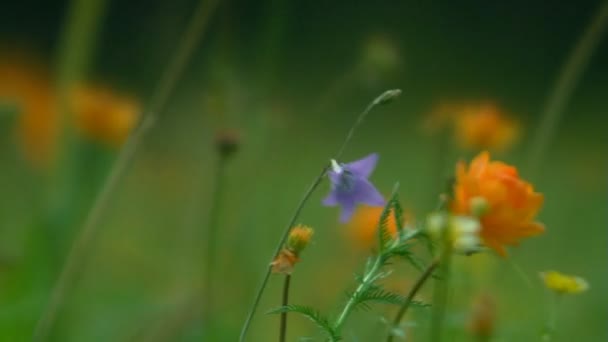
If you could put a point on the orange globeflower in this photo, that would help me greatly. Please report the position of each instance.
(103, 115)
(25, 85)
(363, 227)
(509, 203)
(484, 126)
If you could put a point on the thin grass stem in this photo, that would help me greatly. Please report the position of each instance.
(561, 92)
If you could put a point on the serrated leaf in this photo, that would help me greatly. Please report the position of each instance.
(312, 314)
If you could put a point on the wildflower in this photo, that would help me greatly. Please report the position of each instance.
(299, 237)
(511, 203)
(103, 115)
(25, 85)
(563, 283)
(349, 186)
(475, 126)
(462, 231)
(483, 318)
(484, 126)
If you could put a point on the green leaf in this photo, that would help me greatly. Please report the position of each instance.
(312, 314)
(377, 294)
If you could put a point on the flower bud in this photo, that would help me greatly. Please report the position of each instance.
(299, 238)
(479, 206)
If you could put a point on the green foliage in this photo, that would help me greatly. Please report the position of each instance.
(312, 314)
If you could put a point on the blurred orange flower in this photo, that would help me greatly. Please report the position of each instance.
(363, 227)
(475, 126)
(484, 126)
(483, 317)
(103, 115)
(512, 203)
(25, 84)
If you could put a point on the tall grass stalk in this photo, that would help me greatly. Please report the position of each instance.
(561, 92)
(385, 97)
(82, 242)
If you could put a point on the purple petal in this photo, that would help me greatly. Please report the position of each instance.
(330, 200)
(364, 166)
(368, 194)
(348, 209)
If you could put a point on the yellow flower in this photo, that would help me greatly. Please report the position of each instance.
(103, 115)
(299, 237)
(563, 283)
(512, 204)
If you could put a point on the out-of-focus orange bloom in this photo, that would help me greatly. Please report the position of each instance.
(103, 115)
(512, 203)
(25, 84)
(483, 317)
(475, 126)
(484, 126)
(363, 227)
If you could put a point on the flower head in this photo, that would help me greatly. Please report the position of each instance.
(299, 237)
(485, 126)
(511, 203)
(349, 186)
(563, 283)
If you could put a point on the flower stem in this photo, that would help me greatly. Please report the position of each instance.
(383, 98)
(410, 296)
(283, 326)
(440, 291)
(212, 228)
(363, 286)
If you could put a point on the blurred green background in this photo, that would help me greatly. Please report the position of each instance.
(287, 78)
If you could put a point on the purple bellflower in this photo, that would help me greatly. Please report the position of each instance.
(349, 186)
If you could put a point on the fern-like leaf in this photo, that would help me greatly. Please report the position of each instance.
(312, 314)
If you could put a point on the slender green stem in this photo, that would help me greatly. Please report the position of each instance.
(212, 229)
(82, 243)
(410, 296)
(562, 91)
(368, 280)
(440, 290)
(285, 302)
(385, 97)
(552, 320)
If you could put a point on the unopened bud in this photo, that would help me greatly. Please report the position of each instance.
(388, 96)
(227, 142)
(479, 206)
